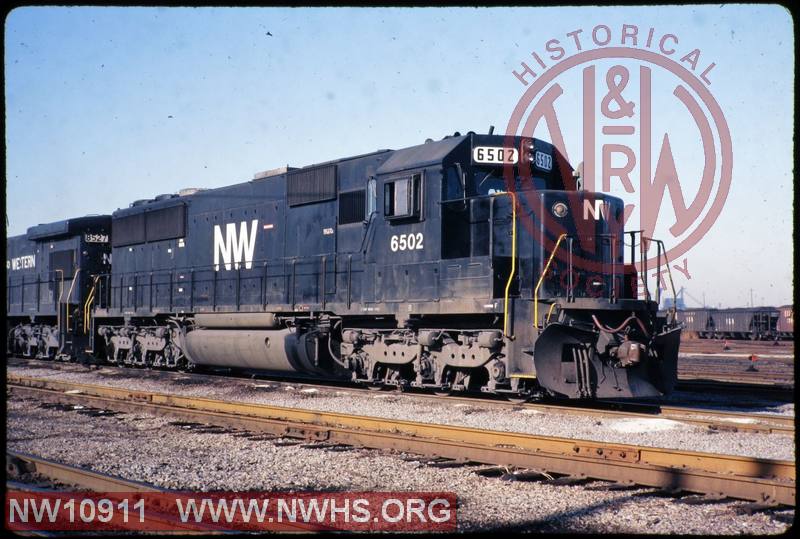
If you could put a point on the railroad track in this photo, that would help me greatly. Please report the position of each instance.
(786, 362)
(769, 378)
(19, 463)
(739, 375)
(714, 419)
(768, 370)
(705, 345)
(763, 481)
(766, 391)
(766, 378)
(718, 420)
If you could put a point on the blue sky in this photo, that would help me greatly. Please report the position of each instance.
(108, 105)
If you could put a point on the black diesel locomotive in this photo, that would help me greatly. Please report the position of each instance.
(51, 271)
(470, 263)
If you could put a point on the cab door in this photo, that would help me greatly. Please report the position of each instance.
(403, 251)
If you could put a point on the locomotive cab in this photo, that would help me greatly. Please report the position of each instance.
(574, 320)
(51, 280)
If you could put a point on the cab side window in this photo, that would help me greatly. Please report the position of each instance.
(402, 198)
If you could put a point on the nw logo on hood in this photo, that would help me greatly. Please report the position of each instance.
(235, 248)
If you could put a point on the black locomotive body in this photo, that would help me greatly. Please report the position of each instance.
(469, 263)
(50, 273)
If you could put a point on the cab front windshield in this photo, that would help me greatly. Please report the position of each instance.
(491, 180)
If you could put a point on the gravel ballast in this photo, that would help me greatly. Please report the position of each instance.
(653, 432)
(171, 456)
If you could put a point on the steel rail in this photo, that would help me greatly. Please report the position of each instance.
(761, 390)
(750, 382)
(767, 383)
(72, 475)
(716, 354)
(66, 474)
(20, 462)
(711, 418)
(768, 372)
(761, 480)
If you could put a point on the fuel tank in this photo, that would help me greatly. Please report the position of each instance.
(236, 320)
(279, 350)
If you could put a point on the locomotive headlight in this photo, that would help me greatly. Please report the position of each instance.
(560, 209)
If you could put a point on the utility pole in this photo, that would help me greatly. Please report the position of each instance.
(751, 298)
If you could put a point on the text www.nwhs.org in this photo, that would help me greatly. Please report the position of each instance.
(357, 511)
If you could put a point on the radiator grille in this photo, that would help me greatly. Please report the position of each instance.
(128, 230)
(311, 185)
(166, 224)
(352, 206)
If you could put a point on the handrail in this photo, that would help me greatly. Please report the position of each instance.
(69, 294)
(550, 311)
(674, 309)
(58, 305)
(209, 268)
(86, 309)
(87, 304)
(541, 279)
(513, 256)
(367, 231)
(642, 275)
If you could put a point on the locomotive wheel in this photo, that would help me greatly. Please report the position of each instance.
(109, 350)
(171, 355)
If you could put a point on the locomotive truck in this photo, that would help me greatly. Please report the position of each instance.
(475, 262)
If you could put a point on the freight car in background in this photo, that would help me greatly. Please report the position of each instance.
(753, 323)
(697, 323)
(50, 273)
(786, 322)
